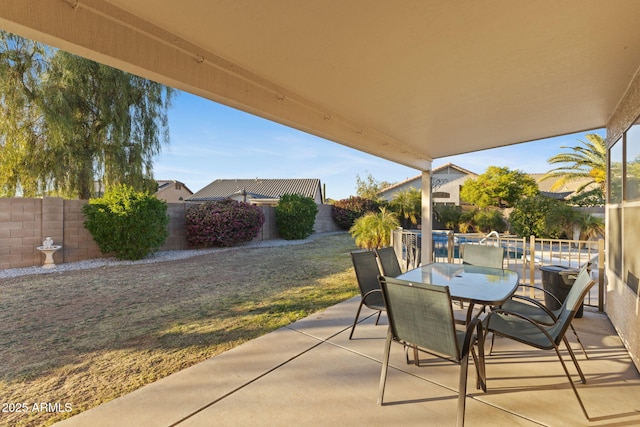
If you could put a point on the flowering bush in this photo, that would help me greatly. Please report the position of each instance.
(223, 223)
(344, 212)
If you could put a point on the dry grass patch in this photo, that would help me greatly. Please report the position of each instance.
(82, 338)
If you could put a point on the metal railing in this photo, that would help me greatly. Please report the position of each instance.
(523, 255)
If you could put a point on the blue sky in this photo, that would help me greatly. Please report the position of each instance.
(210, 141)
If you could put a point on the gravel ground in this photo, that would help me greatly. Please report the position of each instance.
(156, 257)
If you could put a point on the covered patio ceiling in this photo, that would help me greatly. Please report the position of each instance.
(409, 81)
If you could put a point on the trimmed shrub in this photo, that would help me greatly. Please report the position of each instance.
(542, 217)
(222, 224)
(295, 216)
(487, 220)
(127, 223)
(448, 216)
(344, 212)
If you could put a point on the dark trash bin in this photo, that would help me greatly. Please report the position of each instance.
(558, 279)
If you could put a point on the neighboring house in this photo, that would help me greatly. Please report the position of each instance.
(172, 191)
(446, 182)
(564, 193)
(258, 191)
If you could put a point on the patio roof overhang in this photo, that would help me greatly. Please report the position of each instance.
(406, 81)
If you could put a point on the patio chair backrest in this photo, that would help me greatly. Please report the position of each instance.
(421, 315)
(483, 255)
(389, 262)
(367, 271)
(571, 304)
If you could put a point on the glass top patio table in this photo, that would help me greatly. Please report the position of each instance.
(471, 283)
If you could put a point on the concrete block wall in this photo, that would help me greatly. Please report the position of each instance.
(25, 223)
(269, 229)
(52, 225)
(177, 239)
(20, 232)
(324, 220)
(78, 243)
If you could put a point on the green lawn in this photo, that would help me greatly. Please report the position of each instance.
(80, 338)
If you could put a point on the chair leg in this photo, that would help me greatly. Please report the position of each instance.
(566, 371)
(378, 318)
(385, 365)
(579, 342)
(575, 361)
(356, 319)
(462, 390)
(478, 360)
(493, 337)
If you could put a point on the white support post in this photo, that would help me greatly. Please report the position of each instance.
(426, 248)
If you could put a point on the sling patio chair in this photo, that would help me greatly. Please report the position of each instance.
(421, 316)
(389, 262)
(483, 255)
(538, 312)
(545, 337)
(367, 271)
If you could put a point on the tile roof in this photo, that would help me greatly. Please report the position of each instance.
(258, 188)
(166, 183)
(570, 186)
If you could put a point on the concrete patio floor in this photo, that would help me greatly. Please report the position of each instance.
(311, 374)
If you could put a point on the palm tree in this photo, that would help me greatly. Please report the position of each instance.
(373, 230)
(588, 160)
(590, 226)
(408, 205)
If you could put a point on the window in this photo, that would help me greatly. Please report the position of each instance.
(623, 209)
(440, 195)
(615, 172)
(632, 175)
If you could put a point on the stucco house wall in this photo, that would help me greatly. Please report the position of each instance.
(445, 184)
(623, 229)
(172, 191)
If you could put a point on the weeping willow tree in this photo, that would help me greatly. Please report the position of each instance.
(23, 151)
(69, 122)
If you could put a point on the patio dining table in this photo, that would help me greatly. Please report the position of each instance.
(469, 283)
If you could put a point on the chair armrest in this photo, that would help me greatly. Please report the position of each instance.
(371, 292)
(520, 316)
(475, 330)
(543, 290)
(537, 304)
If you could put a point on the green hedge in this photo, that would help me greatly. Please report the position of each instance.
(127, 223)
(295, 216)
